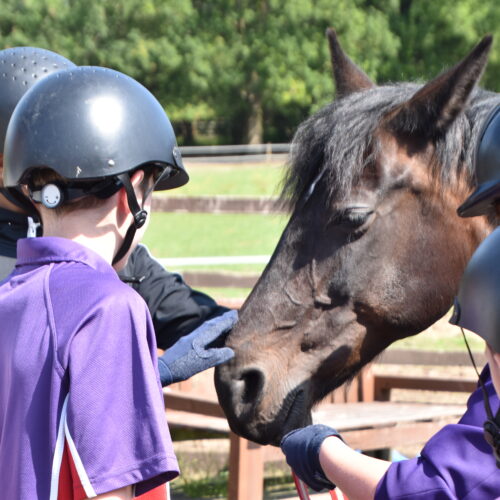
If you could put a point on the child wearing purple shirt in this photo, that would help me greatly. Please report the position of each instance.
(176, 309)
(462, 460)
(89, 145)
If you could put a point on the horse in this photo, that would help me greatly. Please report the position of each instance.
(373, 250)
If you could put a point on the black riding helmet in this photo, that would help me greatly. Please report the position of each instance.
(477, 305)
(93, 126)
(477, 309)
(20, 69)
(487, 166)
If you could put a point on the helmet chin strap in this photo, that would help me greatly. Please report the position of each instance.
(140, 216)
(492, 425)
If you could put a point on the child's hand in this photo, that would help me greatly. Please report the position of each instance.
(301, 448)
(197, 351)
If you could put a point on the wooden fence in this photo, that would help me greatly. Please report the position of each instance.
(217, 204)
(242, 153)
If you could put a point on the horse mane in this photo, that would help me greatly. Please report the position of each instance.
(339, 140)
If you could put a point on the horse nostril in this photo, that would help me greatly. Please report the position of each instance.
(253, 383)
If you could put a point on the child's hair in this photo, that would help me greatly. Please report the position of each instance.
(42, 176)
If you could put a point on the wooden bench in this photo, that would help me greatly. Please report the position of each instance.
(362, 411)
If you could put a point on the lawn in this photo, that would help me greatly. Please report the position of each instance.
(201, 235)
(234, 180)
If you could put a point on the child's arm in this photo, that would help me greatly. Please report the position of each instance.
(121, 494)
(319, 457)
(357, 475)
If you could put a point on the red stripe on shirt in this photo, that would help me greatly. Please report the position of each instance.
(70, 487)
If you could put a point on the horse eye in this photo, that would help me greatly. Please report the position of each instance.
(353, 218)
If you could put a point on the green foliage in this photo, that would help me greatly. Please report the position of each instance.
(254, 68)
(272, 56)
(147, 39)
(436, 35)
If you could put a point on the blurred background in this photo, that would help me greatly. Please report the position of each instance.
(242, 71)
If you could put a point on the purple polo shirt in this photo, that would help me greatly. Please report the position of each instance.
(78, 379)
(456, 462)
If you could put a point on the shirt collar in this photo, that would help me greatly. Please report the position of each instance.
(50, 249)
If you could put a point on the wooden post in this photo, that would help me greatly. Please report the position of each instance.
(246, 470)
(366, 384)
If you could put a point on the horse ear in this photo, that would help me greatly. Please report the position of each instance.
(433, 108)
(347, 76)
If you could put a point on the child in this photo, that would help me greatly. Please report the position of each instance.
(90, 144)
(175, 308)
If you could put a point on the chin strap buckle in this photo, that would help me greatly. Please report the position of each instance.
(140, 218)
(32, 228)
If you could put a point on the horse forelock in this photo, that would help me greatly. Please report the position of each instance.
(339, 139)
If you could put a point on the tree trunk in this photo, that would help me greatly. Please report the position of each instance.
(255, 123)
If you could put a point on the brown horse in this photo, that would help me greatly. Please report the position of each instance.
(374, 249)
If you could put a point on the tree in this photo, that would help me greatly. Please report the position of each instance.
(271, 57)
(255, 68)
(150, 40)
(435, 35)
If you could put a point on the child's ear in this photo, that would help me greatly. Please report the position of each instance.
(137, 178)
(123, 202)
(137, 183)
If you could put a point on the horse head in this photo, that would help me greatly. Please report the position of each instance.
(373, 251)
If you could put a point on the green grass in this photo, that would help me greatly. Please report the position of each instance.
(228, 293)
(202, 235)
(277, 486)
(239, 180)
(439, 339)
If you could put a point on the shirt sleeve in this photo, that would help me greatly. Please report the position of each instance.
(176, 309)
(413, 479)
(455, 463)
(115, 423)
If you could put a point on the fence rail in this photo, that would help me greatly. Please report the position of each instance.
(238, 149)
(241, 153)
(219, 279)
(217, 204)
(177, 262)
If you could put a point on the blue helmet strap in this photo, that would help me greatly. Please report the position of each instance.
(492, 425)
(140, 216)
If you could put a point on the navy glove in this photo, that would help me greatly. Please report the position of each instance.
(194, 353)
(301, 448)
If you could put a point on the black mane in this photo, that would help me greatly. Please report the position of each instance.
(339, 137)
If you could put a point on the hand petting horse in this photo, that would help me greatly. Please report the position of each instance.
(374, 249)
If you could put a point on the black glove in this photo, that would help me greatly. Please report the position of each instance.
(301, 448)
(194, 353)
